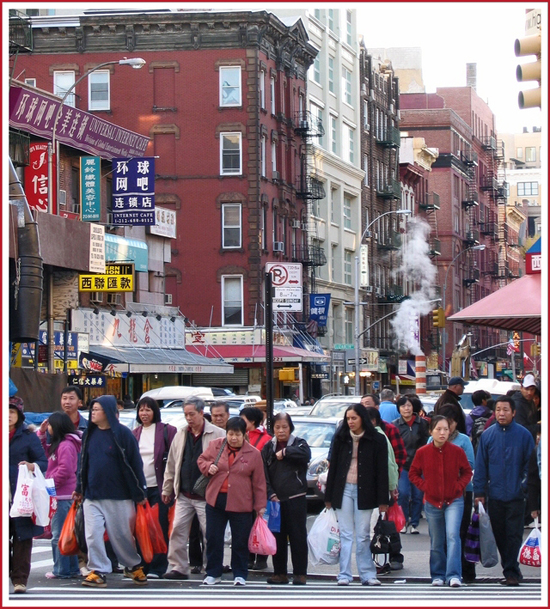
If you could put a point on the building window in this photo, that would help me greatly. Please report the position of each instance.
(231, 226)
(230, 86)
(526, 189)
(99, 90)
(333, 192)
(317, 118)
(349, 323)
(347, 211)
(263, 142)
(347, 267)
(351, 154)
(317, 70)
(274, 159)
(530, 154)
(366, 168)
(331, 19)
(519, 153)
(30, 81)
(275, 225)
(333, 251)
(317, 14)
(331, 74)
(62, 82)
(272, 93)
(231, 153)
(333, 134)
(232, 300)
(262, 89)
(348, 27)
(346, 85)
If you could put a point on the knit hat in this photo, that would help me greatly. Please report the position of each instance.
(17, 402)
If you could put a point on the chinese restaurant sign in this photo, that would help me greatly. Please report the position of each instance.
(134, 191)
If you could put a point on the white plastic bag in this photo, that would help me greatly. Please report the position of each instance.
(40, 499)
(487, 543)
(530, 553)
(323, 539)
(22, 499)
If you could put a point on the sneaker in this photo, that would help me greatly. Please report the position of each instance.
(372, 582)
(455, 582)
(384, 569)
(414, 530)
(239, 581)
(212, 581)
(19, 588)
(343, 582)
(136, 575)
(438, 582)
(95, 580)
(403, 531)
(153, 576)
(175, 575)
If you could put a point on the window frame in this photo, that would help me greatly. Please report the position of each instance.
(331, 74)
(224, 280)
(60, 92)
(263, 163)
(262, 89)
(347, 205)
(333, 134)
(228, 227)
(347, 86)
(104, 104)
(224, 69)
(272, 91)
(223, 136)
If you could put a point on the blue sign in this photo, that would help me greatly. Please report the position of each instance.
(134, 191)
(90, 188)
(318, 308)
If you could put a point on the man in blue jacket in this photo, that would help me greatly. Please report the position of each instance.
(501, 465)
(111, 481)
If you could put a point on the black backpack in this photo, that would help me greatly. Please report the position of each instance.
(477, 430)
(385, 540)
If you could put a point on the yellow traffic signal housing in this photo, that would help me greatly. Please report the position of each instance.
(530, 45)
(438, 316)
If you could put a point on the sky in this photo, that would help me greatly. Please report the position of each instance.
(452, 34)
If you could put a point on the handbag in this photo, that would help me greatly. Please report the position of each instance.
(273, 516)
(386, 539)
(487, 543)
(472, 551)
(199, 488)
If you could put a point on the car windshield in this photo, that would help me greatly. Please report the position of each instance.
(317, 435)
(329, 409)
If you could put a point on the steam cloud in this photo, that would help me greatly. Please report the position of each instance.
(417, 267)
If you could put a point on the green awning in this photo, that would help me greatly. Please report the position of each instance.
(121, 249)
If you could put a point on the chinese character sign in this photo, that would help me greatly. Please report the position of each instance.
(318, 308)
(36, 177)
(90, 188)
(134, 191)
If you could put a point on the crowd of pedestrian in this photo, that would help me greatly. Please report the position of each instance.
(386, 451)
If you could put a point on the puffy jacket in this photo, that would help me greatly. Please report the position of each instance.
(502, 460)
(286, 478)
(63, 464)
(25, 446)
(413, 436)
(128, 450)
(441, 473)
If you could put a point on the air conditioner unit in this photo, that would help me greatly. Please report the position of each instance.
(378, 291)
(371, 96)
(114, 298)
(304, 225)
(96, 296)
(278, 246)
(168, 299)
(295, 224)
(62, 197)
(369, 289)
(276, 175)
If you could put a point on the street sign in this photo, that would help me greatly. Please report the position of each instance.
(287, 286)
(343, 346)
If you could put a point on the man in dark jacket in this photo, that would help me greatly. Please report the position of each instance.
(451, 395)
(111, 481)
(526, 411)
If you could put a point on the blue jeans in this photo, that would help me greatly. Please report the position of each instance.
(216, 521)
(445, 546)
(350, 517)
(63, 566)
(408, 492)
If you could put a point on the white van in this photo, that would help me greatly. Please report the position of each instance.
(171, 393)
(493, 386)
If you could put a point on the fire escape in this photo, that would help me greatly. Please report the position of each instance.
(470, 201)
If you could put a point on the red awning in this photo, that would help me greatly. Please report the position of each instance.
(516, 306)
(256, 353)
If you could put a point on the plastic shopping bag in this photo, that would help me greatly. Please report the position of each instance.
(40, 499)
(487, 543)
(68, 545)
(323, 539)
(155, 530)
(529, 553)
(79, 530)
(396, 515)
(22, 499)
(142, 534)
(272, 516)
(47, 534)
(171, 512)
(472, 551)
(261, 539)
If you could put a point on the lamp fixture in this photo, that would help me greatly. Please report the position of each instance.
(128, 313)
(144, 313)
(113, 312)
(158, 317)
(172, 319)
(95, 311)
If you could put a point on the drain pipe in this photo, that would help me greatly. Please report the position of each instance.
(26, 287)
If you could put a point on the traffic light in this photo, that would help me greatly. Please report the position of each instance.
(438, 318)
(535, 350)
(530, 45)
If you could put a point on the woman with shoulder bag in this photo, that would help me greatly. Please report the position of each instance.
(154, 439)
(441, 471)
(357, 482)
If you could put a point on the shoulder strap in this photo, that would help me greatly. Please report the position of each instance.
(221, 451)
(257, 440)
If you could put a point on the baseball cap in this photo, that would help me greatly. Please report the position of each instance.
(456, 380)
(529, 381)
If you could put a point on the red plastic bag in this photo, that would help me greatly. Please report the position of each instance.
(68, 545)
(155, 530)
(261, 540)
(395, 514)
(142, 534)
(171, 512)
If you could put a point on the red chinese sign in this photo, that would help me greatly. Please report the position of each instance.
(36, 178)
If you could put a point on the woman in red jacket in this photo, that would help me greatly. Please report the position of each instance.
(441, 471)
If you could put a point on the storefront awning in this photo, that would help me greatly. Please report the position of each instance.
(153, 360)
(121, 249)
(237, 354)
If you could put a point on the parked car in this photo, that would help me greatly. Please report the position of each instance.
(165, 396)
(222, 391)
(333, 405)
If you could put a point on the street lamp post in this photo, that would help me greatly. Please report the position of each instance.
(356, 299)
(134, 62)
(444, 330)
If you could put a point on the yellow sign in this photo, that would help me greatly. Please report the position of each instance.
(106, 283)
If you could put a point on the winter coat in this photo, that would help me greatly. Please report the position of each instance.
(128, 451)
(25, 446)
(258, 437)
(441, 474)
(286, 478)
(246, 490)
(63, 464)
(501, 461)
(372, 470)
(161, 446)
(526, 413)
(413, 436)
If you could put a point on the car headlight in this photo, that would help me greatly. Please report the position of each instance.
(318, 466)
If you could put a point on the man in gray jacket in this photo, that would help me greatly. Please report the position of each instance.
(179, 478)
